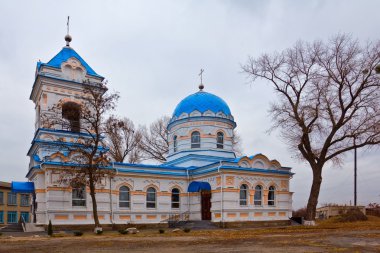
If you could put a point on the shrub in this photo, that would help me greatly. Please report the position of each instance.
(161, 231)
(50, 229)
(99, 232)
(78, 233)
(187, 230)
(299, 212)
(353, 214)
(123, 232)
(1, 234)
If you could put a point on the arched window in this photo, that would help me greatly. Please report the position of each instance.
(195, 140)
(219, 140)
(243, 194)
(79, 196)
(258, 195)
(175, 143)
(151, 198)
(175, 198)
(71, 112)
(271, 196)
(124, 197)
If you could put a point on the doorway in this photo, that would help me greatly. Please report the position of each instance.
(206, 204)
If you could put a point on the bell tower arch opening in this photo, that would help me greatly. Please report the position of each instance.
(71, 114)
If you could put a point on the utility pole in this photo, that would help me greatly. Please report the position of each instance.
(355, 175)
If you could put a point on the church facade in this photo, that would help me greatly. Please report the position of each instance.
(203, 179)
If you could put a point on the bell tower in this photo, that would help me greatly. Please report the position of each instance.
(60, 81)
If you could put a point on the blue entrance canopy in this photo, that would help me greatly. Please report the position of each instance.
(22, 187)
(197, 186)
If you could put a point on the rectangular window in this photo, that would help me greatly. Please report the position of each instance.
(1, 198)
(1, 216)
(79, 196)
(12, 198)
(25, 216)
(24, 200)
(12, 217)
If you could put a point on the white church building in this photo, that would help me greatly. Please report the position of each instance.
(203, 179)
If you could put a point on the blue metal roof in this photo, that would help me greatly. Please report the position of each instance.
(65, 54)
(196, 186)
(22, 187)
(202, 101)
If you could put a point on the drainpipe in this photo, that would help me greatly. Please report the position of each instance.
(221, 193)
(188, 193)
(111, 204)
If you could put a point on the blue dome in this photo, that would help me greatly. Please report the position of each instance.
(202, 101)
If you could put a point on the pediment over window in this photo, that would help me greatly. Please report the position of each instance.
(258, 161)
(73, 70)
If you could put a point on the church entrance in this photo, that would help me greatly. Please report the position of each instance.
(206, 204)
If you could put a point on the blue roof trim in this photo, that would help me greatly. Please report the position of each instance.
(22, 187)
(202, 101)
(197, 186)
(150, 166)
(201, 150)
(65, 54)
(166, 173)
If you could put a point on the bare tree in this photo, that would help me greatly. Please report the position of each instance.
(236, 143)
(154, 142)
(328, 100)
(88, 158)
(123, 140)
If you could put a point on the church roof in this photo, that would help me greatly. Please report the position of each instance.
(65, 54)
(202, 101)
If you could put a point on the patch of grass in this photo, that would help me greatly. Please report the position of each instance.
(352, 215)
(123, 232)
(99, 232)
(161, 231)
(78, 233)
(186, 230)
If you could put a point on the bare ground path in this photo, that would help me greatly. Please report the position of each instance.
(352, 237)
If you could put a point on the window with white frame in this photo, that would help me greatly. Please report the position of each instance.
(175, 143)
(243, 194)
(124, 197)
(151, 198)
(258, 195)
(220, 140)
(12, 198)
(175, 198)
(195, 139)
(271, 196)
(79, 196)
(24, 200)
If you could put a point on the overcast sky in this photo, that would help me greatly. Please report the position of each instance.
(151, 52)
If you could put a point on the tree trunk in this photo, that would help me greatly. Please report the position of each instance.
(313, 197)
(94, 205)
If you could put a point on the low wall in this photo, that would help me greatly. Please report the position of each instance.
(106, 227)
(253, 224)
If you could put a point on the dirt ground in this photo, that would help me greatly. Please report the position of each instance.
(328, 237)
